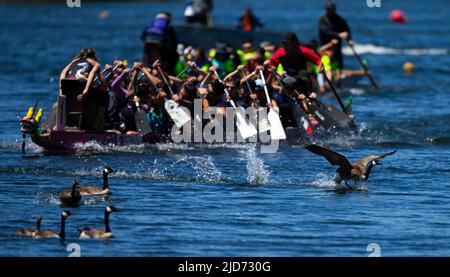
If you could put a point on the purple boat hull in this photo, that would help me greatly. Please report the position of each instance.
(68, 140)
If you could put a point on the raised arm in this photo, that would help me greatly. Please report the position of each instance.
(62, 76)
(91, 76)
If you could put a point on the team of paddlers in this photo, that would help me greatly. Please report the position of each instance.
(265, 75)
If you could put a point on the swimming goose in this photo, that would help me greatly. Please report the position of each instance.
(100, 233)
(358, 171)
(72, 196)
(51, 234)
(93, 190)
(29, 232)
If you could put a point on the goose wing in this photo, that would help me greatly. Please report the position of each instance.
(333, 157)
(364, 162)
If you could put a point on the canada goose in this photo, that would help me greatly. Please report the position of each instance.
(72, 196)
(51, 234)
(357, 171)
(100, 233)
(29, 232)
(93, 190)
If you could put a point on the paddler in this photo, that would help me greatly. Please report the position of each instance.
(333, 26)
(162, 34)
(83, 68)
(292, 56)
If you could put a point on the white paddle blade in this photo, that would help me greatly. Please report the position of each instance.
(177, 113)
(245, 129)
(276, 129)
(263, 120)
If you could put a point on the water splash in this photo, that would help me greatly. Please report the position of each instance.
(204, 168)
(257, 172)
(16, 145)
(327, 182)
(381, 50)
(97, 148)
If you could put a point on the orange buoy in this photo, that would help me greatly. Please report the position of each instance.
(397, 16)
(104, 15)
(408, 67)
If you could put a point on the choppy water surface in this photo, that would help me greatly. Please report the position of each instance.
(231, 199)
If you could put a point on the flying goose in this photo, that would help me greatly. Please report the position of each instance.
(357, 171)
(100, 233)
(51, 234)
(29, 232)
(72, 196)
(93, 190)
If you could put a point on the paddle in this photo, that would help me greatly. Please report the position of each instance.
(276, 127)
(364, 66)
(178, 115)
(298, 113)
(334, 92)
(245, 129)
(140, 118)
(29, 116)
(263, 123)
(184, 71)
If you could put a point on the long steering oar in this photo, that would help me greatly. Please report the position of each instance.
(178, 115)
(276, 127)
(246, 130)
(334, 92)
(364, 66)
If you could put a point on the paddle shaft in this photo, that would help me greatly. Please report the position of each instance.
(226, 91)
(261, 74)
(366, 70)
(246, 81)
(165, 80)
(334, 92)
(184, 71)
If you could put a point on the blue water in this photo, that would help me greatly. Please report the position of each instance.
(179, 200)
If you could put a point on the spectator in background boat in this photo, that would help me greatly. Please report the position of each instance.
(292, 56)
(199, 11)
(161, 33)
(332, 26)
(249, 22)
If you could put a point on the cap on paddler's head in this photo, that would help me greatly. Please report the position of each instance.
(289, 37)
(330, 6)
(290, 82)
